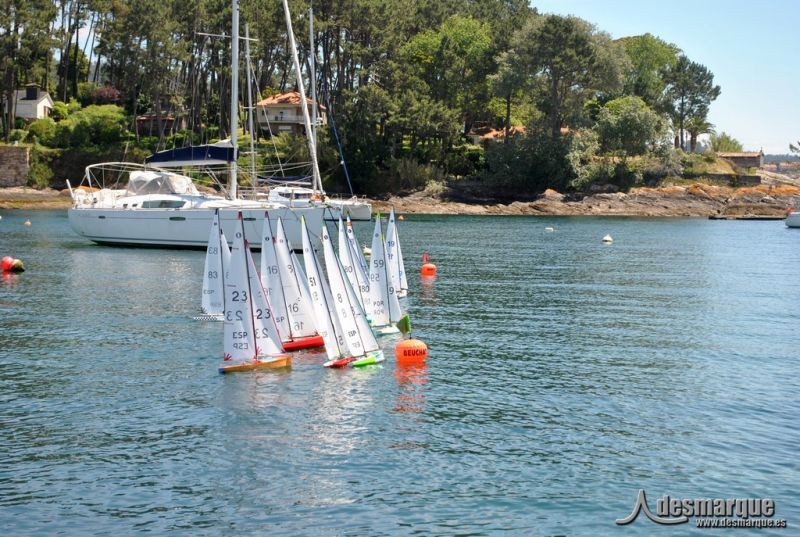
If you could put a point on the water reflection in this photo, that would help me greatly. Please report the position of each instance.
(411, 381)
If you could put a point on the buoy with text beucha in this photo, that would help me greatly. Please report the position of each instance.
(10, 264)
(409, 351)
(428, 269)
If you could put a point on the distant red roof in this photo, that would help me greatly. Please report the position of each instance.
(751, 154)
(292, 97)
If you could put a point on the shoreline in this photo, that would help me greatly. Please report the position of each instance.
(694, 200)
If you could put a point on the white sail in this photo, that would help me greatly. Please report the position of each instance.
(239, 337)
(271, 280)
(319, 300)
(213, 299)
(385, 306)
(355, 329)
(295, 291)
(394, 236)
(356, 275)
(358, 254)
(267, 336)
(392, 255)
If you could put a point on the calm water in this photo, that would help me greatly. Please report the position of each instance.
(565, 375)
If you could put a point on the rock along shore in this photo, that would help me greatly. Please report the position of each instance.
(695, 200)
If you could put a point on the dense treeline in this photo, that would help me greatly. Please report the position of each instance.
(405, 80)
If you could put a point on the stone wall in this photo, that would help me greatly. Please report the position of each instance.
(15, 162)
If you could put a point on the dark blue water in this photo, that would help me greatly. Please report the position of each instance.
(564, 376)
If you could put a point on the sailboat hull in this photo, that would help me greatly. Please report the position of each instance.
(372, 358)
(181, 228)
(276, 363)
(340, 362)
(309, 342)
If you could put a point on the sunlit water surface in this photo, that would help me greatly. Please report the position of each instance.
(564, 376)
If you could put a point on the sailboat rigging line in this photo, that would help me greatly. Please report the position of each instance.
(338, 143)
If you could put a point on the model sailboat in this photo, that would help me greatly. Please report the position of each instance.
(385, 306)
(283, 288)
(251, 338)
(358, 254)
(218, 258)
(353, 269)
(394, 256)
(357, 334)
(327, 315)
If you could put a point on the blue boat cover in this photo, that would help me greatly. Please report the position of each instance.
(193, 156)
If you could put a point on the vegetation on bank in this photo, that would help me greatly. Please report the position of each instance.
(406, 84)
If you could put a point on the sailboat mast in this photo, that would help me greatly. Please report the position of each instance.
(312, 146)
(312, 60)
(250, 109)
(234, 94)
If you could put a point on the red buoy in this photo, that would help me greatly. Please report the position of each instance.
(410, 351)
(9, 264)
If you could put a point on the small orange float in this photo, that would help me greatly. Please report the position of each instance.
(410, 351)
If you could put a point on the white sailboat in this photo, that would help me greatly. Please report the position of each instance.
(394, 256)
(327, 325)
(355, 272)
(360, 341)
(250, 337)
(793, 217)
(281, 284)
(218, 258)
(149, 205)
(385, 306)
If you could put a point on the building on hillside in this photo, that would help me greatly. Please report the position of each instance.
(483, 135)
(744, 159)
(170, 116)
(32, 103)
(283, 113)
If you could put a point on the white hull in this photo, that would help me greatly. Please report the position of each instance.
(354, 208)
(183, 228)
(793, 219)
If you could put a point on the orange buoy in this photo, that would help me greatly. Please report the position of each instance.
(428, 269)
(410, 351)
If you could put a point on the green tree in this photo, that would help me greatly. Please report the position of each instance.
(454, 62)
(696, 126)
(567, 61)
(690, 91)
(628, 126)
(725, 142)
(650, 58)
(24, 44)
